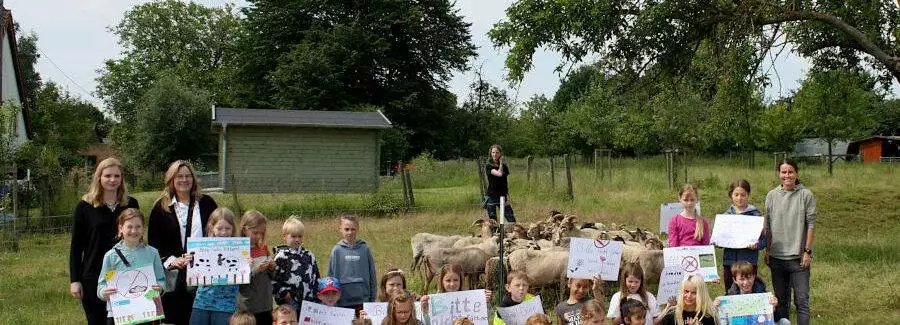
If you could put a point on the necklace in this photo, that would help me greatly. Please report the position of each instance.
(112, 206)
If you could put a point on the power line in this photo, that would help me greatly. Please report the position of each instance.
(84, 91)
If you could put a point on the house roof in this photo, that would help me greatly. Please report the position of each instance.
(854, 146)
(300, 118)
(8, 30)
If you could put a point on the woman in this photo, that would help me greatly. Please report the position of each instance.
(790, 223)
(497, 174)
(180, 212)
(93, 234)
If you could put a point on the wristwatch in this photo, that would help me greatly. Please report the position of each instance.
(808, 251)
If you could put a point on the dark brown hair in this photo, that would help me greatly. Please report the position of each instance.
(391, 273)
(789, 162)
(742, 183)
(447, 269)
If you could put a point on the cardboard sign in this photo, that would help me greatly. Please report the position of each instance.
(667, 211)
(736, 231)
(693, 260)
(444, 308)
(592, 257)
(518, 314)
(317, 314)
(669, 281)
(135, 302)
(218, 261)
(377, 311)
(746, 309)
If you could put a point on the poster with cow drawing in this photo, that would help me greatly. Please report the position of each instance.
(218, 261)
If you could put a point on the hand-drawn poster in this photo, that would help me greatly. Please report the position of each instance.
(377, 311)
(444, 308)
(592, 257)
(317, 314)
(135, 302)
(218, 261)
(667, 211)
(736, 231)
(746, 309)
(518, 314)
(669, 281)
(693, 259)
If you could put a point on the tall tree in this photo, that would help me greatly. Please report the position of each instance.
(28, 56)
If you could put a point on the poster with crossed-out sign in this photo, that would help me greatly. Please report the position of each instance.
(693, 260)
(218, 261)
(594, 257)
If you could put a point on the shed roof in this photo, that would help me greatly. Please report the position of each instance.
(300, 118)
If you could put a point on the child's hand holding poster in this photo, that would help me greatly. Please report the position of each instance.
(693, 259)
(746, 309)
(518, 314)
(218, 261)
(736, 231)
(135, 302)
(590, 257)
(444, 308)
(317, 314)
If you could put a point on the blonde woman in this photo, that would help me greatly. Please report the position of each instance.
(180, 212)
(94, 233)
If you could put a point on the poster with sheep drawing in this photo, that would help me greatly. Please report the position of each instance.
(593, 257)
(736, 231)
(444, 308)
(218, 261)
(135, 302)
(693, 260)
(667, 211)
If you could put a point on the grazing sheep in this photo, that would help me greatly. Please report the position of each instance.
(422, 242)
(651, 261)
(543, 267)
(471, 259)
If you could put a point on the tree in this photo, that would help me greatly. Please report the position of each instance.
(28, 55)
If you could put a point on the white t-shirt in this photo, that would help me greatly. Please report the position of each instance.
(652, 307)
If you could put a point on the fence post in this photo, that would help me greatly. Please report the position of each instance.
(684, 165)
(609, 164)
(482, 178)
(596, 171)
(552, 174)
(569, 177)
(403, 182)
(528, 161)
(408, 178)
(670, 170)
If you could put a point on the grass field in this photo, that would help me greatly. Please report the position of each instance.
(854, 274)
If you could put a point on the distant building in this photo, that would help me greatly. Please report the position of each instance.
(876, 149)
(814, 147)
(12, 90)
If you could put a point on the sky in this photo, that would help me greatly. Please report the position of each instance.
(74, 42)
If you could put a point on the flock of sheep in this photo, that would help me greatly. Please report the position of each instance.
(540, 249)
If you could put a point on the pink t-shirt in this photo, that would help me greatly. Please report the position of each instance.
(681, 232)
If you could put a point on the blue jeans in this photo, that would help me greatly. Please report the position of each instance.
(209, 317)
(491, 204)
(787, 275)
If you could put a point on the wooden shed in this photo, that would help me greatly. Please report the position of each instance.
(278, 151)
(877, 149)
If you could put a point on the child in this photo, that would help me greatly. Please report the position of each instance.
(214, 304)
(693, 306)
(688, 228)
(745, 282)
(739, 192)
(329, 291)
(129, 252)
(243, 318)
(400, 312)
(497, 175)
(393, 282)
(631, 285)
(463, 321)
(538, 319)
(284, 315)
(450, 280)
(517, 283)
(296, 270)
(592, 312)
(569, 311)
(634, 312)
(256, 297)
(352, 263)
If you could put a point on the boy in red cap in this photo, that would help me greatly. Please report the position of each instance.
(329, 291)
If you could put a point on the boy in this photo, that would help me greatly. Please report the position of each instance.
(284, 315)
(296, 269)
(329, 291)
(353, 265)
(746, 282)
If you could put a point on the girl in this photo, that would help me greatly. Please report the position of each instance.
(400, 312)
(631, 285)
(739, 192)
(256, 297)
(93, 235)
(243, 318)
(538, 319)
(214, 304)
(569, 311)
(693, 306)
(517, 283)
(450, 280)
(130, 251)
(634, 312)
(592, 312)
(393, 282)
(688, 228)
(497, 174)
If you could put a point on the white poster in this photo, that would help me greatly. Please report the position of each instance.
(693, 260)
(377, 311)
(749, 309)
(736, 231)
(135, 302)
(444, 308)
(518, 314)
(669, 281)
(667, 211)
(218, 261)
(592, 257)
(317, 314)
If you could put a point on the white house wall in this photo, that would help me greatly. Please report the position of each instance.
(9, 91)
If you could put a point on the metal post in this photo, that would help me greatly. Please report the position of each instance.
(552, 174)
(568, 177)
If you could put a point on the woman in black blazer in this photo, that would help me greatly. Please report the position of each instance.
(169, 227)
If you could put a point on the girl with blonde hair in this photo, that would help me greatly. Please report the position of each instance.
(693, 306)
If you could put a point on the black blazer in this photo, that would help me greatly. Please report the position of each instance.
(163, 232)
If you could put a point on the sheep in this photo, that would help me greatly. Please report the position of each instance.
(422, 242)
(470, 259)
(651, 261)
(543, 267)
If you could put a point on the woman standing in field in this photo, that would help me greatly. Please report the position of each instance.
(497, 174)
(180, 212)
(790, 224)
(94, 230)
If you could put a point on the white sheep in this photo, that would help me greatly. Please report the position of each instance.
(422, 242)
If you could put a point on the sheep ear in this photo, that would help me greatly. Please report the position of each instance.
(478, 222)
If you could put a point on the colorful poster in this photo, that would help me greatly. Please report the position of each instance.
(592, 257)
(736, 231)
(377, 311)
(135, 302)
(746, 309)
(669, 281)
(518, 314)
(693, 260)
(667, 211)
(317, 314)
(444, 308)
(219, 261)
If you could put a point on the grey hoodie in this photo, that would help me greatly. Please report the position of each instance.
(354, 266)
(790, 215)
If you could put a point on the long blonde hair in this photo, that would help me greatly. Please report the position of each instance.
(698, 228)
(392, 306)
(169, 190)
(221, 213)
(704, 303)
(94, 195)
